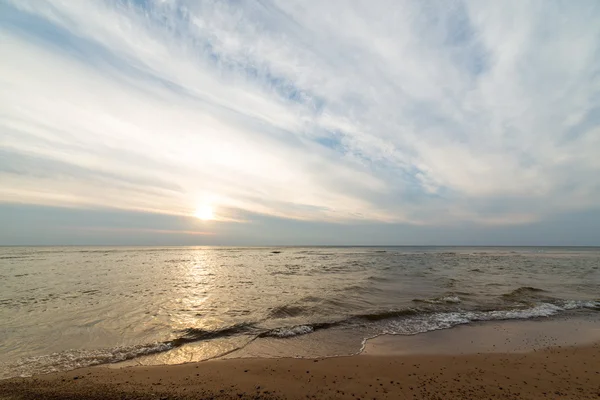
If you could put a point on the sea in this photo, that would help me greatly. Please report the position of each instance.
(63, 308)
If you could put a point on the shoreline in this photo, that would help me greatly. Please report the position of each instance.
(509, 336)
(567, 372)
(507, 359)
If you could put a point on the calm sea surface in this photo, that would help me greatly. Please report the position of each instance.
(67, 307)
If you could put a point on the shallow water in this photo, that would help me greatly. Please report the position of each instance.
(66, 307)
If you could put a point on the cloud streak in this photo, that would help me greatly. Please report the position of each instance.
(113, 230)
(415, 112)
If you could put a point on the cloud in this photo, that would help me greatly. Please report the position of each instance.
(412, 112)
(114, 230)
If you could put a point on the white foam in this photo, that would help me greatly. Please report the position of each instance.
(291, 331)
(450, 299)
(73, 359)
(442, 300)
(575, 304)
(436, 321)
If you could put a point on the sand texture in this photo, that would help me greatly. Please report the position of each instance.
(561, 372)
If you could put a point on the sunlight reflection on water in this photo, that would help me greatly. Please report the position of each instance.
(134, 303)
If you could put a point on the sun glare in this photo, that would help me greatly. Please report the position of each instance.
(204, 212)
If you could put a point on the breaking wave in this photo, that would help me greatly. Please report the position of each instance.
(408, 321)
(444, 320)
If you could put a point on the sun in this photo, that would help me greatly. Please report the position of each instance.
(204, 212)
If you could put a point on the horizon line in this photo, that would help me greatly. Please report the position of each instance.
(299, 245)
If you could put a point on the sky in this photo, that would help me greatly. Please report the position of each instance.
(299, 122)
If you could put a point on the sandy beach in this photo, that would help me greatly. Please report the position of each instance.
(499, 366)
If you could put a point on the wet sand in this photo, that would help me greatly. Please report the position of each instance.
(418, 367)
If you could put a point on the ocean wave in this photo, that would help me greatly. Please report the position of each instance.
(195, 334)
(524, 293)
(413, 320)
(378, 279)
(312, 299)
(444, 320)
(288, 332)
(293, 272)
(287, 311)
(451, 299)
(74, 359)
(408, 321)
(575, 304)
(381, 315)
(297, 330)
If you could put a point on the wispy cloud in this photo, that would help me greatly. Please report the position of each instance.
(135, 230)
(411, 111)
